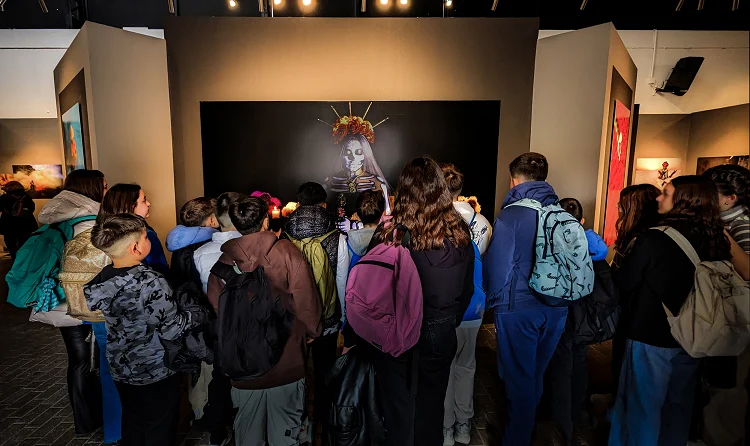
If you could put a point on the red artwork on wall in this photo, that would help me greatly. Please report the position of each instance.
(617, 160)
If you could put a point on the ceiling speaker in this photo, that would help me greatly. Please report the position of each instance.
(682, 76)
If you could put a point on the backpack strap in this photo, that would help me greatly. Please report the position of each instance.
(224, 271)
(682, 242)
(75, 221)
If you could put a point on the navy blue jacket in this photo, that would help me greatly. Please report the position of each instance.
(510, 256)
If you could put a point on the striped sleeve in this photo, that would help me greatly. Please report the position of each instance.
(739, 230)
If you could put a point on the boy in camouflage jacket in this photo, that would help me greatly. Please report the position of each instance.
(139, 312)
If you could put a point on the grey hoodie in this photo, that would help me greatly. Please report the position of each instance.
(68, 205)
(357, 241)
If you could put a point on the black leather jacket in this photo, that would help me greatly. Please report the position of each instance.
(354, 419)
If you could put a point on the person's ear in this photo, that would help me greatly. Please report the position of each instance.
(212, 222)
(732, 200)
(134, 249)
(583, 221)
(266, 224)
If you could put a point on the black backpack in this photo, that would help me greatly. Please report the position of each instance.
(253, 323)
(595, 317)
(182, 269)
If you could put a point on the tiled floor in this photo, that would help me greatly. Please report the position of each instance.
(34, 407)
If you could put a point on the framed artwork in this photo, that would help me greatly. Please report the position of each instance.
(618, 158)
(75, 150)
(706, 163)
(74, 123)
(348, 147)
(39, 180)
(657, 171)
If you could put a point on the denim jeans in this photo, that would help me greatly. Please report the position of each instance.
(654, 398)
(111, 407)
(526, 341)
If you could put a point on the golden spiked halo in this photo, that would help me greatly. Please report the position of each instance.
(352, 125)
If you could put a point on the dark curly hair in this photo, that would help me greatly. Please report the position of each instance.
(731, 179)
(639, 211)
(695, 206)
(424, 205)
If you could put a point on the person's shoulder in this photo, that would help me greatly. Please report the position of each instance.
(144, 274)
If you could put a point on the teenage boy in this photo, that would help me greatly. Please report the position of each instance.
(139, 312)
(527, 330)
(459, 399)
(271, 406)
(311, 220)
(199, 223)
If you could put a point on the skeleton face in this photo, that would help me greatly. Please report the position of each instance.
(354, 155)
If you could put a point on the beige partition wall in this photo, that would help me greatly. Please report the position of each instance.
(127, 97)
(578, 75)
(312, 59)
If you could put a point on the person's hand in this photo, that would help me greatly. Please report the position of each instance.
(347, 225)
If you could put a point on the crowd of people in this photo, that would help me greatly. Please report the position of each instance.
(247, 298)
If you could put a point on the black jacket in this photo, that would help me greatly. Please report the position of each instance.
(656, 271)
(23, 223)
(182, 269)
(354, 419)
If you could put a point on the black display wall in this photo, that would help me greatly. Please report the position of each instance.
(276, 146)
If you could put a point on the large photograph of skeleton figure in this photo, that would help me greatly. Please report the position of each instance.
(348, 147)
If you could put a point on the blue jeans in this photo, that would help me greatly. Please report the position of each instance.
(111, 408)
(526, 341)
(655, 397)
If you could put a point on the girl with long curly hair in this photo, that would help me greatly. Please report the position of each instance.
(638, 211)
(655, 396)
(440, 245)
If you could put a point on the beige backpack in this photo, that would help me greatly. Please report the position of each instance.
(715, 318)
(81, 262)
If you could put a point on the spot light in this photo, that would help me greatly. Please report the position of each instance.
(384, 2)
(449, 3)
(307, 2)
(403, 2)
(232, 3)
(276, 2)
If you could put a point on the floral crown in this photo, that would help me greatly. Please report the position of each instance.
(352, 125)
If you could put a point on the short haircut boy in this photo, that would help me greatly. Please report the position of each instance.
(453, 178)
(530, 166)
(196, 211)
(248, 215)
(223, 204)
(114, 233)
(370, 207)
(311, 193)
(572, 207)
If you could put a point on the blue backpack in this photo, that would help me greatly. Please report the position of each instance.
(479, 298)
(32, 281)
(563, 272)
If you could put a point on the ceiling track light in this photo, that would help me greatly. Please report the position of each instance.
(701, 3)
(2, 5)
(170, 4)
(364, 6)
(735, 5)
(583, 4)
(679, 5)
(494, 5)
(261, 6)
(43, 5)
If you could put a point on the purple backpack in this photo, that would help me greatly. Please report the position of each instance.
(384, 299)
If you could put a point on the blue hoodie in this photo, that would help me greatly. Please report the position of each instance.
(510, 256)
(184, 236)
(597, 248)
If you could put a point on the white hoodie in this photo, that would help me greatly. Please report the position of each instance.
(481, 230)
(207, 255)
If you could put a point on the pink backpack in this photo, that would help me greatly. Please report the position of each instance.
(384, 299)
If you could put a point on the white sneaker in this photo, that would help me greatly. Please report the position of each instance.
(462, 433)
(448, 436)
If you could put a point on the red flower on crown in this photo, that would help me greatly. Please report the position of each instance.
(352, 125)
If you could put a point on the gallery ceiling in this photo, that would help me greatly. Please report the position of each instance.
(553, 14)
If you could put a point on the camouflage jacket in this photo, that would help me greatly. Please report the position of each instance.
(139, 310)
